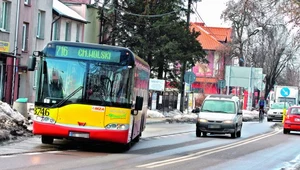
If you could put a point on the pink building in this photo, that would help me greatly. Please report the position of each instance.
(212, 40)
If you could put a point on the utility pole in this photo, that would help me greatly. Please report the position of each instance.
(15, 53)
(114, 30)
(182, 100)
(102, 20)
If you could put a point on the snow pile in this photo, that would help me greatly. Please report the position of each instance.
(188, 118)
(250, 115)
(177, 116)
(154, 114)
(12, 123)
(173, 116)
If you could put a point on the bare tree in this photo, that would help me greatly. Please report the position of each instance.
(273, 47)
(239, 13)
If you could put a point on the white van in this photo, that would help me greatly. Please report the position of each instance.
(220, 114)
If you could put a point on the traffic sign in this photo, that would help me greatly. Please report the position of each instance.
(189, 77)
(221, 84)
(285, 92)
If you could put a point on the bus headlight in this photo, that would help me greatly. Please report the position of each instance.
(45, 119)
(115, 126)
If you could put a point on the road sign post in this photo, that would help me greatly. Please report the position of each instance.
(189, 77)
(221, 85)
(284, 93)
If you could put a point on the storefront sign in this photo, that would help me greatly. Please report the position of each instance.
(4, 46)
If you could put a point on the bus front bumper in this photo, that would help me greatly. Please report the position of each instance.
(65, 131)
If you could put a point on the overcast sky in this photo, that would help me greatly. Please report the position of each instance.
(210, 11)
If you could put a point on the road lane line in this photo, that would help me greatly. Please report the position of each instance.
(7, 156)
(209, 151)
(53, 152)
(33, 153)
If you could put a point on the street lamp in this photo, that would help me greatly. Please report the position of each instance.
(256, 30)
(249, 100)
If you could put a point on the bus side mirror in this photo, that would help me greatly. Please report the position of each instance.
(31, 63)
(139, 103)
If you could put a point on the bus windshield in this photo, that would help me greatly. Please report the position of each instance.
(102, 83)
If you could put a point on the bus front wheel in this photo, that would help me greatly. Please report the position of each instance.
(47, 140)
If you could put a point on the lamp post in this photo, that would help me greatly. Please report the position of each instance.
(249, 99)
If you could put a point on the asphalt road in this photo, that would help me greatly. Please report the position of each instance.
(164, 146)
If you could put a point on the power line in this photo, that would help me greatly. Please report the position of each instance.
(204, 22)
(141, 15)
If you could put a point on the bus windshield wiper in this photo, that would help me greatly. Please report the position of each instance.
(67, 98)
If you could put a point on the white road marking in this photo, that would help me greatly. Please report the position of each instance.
(207, 152)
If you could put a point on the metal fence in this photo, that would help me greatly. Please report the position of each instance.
(165, 101)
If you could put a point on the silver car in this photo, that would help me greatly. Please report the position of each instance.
(220, 114)
(276, 110)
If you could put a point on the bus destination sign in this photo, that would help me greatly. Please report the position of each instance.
(87, 53)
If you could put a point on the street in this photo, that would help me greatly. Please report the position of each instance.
(163, 146)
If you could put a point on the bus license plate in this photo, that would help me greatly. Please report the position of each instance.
(79, 135)
(297, 119)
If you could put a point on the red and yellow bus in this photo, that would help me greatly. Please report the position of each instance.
(90, 91)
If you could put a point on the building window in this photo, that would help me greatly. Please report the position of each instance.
(41, 24)
(5, 13)
(56, 30)
(68, 32)
(27, 2)
(78, 33)
(25, 36)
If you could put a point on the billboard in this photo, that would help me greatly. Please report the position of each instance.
(157, 85)
(205, 69)
(4, 46)
(240, 76)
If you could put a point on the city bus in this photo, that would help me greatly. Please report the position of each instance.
(89, 91)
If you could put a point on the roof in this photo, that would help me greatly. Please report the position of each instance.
(211, 37)
(67, 12)
(221, 34)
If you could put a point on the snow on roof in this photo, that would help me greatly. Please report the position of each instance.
(65, 11)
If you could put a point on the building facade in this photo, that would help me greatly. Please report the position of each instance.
(27, 26)
(22, 31)
(89, 12)
(213, 40)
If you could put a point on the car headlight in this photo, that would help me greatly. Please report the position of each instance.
(228, 121)
(115, 126)
(202, 120)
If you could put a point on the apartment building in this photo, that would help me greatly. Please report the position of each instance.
(23, 29)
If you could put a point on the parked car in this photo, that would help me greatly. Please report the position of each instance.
(292, 120)
(220, 114)
(276, 110)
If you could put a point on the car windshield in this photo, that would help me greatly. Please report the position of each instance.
(295, 111)
(218, 106)
(279, 106)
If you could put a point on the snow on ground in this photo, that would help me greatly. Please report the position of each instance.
(12, 123)
(250, 115)
(177, 116)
